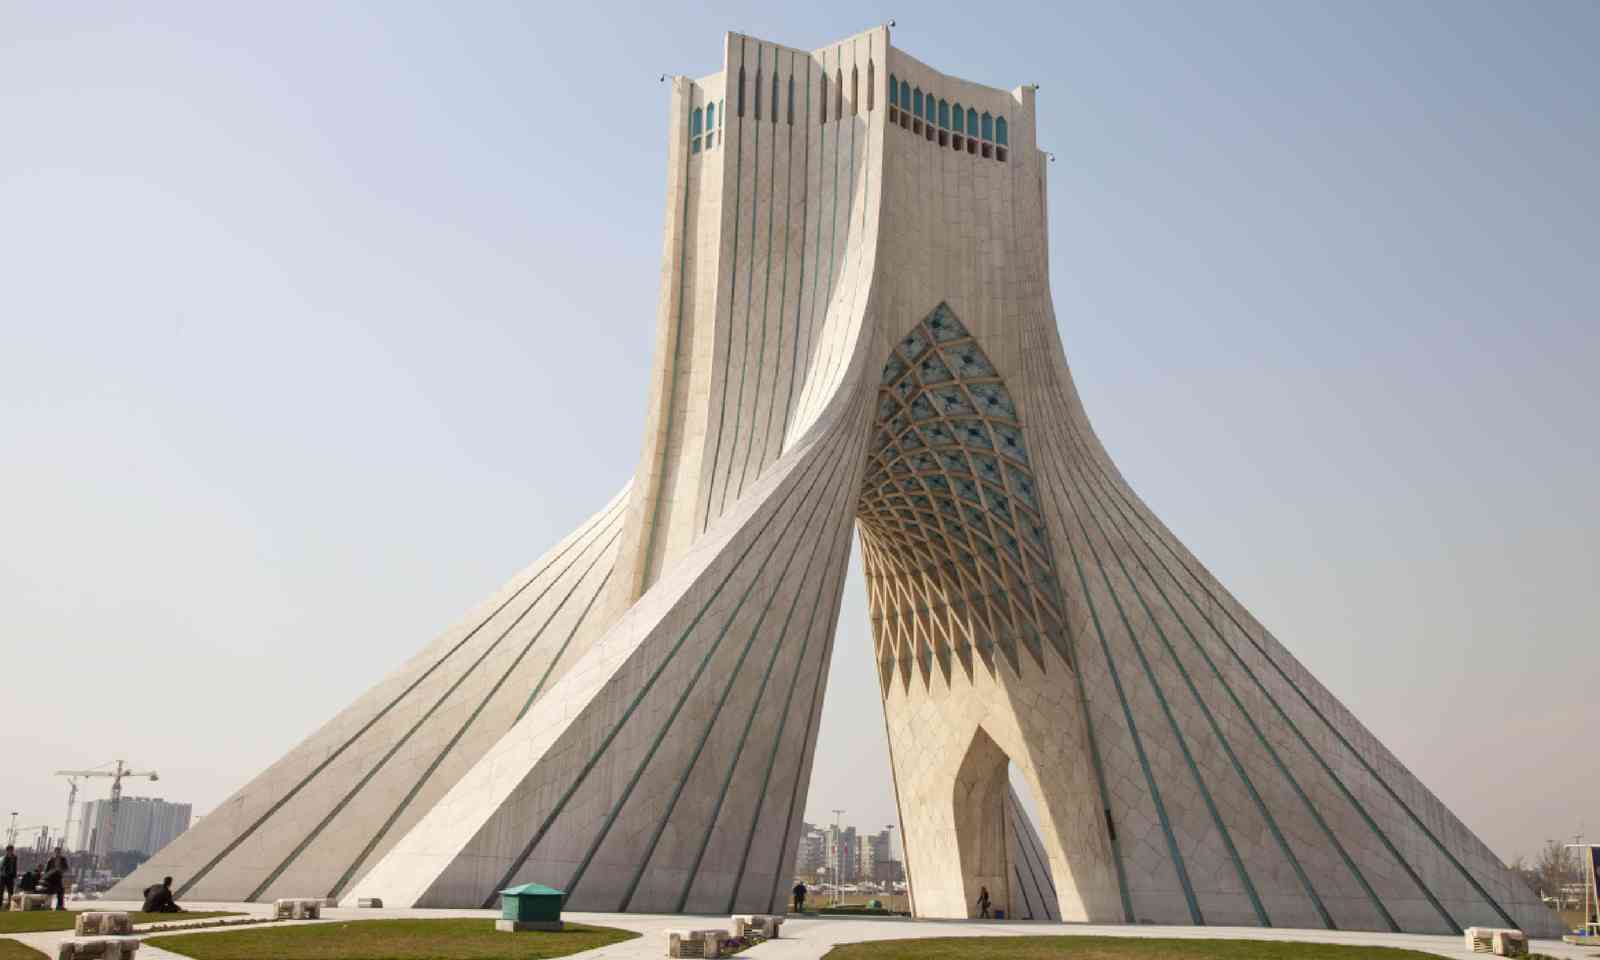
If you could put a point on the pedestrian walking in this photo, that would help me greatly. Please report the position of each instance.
(55, 878)
(8, 874)
(799, 896)
(983, 903)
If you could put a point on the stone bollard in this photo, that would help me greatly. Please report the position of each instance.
(98, 948)
(298, 908)
(763, 924)
(1510, 943)
(97, 923)
(695, 943)
(1501, 943)
(30, 901)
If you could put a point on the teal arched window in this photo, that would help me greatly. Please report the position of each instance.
(696, 121)
(905, 95)
(711, 117)
(894, 91)
(944, 114)
(1000, 130)
(958, 118)
(988, 126)
(972, 122)
(916, 102)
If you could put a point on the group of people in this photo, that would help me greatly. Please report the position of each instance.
(51, 878)
(984, 911)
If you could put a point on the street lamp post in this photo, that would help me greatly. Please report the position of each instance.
(838, 856)
(892, 859)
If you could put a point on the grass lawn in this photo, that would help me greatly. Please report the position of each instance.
(1108, 948)
(34, 921)
(12, 950)
(450, 939)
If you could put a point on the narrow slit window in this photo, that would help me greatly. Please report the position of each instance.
(872, 86)
(740, 102)
(791, 99)
(855, 92)
(824, 110)
(774, 96)
(838, 93)
(758, 93)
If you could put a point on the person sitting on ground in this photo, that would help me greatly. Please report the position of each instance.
(158, 898)
(799, 896)
(29, 882)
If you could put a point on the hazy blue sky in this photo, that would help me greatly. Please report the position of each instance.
(317, 321)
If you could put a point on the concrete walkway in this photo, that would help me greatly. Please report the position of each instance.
(810, 938)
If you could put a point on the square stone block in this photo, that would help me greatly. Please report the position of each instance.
(697, 943)
(30, 901)
(1500, 943)
(766, 926)
(298, 908)
(97, 948)
(98, 923)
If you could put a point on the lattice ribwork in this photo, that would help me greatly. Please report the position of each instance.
(956, 553)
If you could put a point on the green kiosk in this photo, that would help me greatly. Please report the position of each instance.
(530, 907)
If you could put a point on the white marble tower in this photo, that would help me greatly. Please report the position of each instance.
(855, 331)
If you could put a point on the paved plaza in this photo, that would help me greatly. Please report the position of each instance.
(812, 937)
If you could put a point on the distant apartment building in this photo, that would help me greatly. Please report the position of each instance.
(876, 862)
(144, 824)
(843, 849)
(812, 854)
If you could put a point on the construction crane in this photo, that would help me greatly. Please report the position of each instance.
(122, 770)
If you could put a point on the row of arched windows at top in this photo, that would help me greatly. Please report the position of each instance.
(706, 120)
(952, 125)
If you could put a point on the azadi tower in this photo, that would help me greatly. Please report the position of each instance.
(855, 333)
